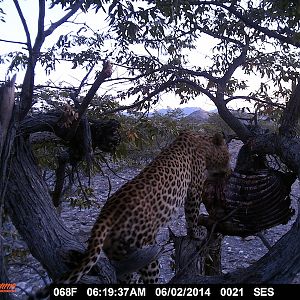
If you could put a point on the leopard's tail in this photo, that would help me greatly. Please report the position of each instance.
(90, 258)
(95, 244)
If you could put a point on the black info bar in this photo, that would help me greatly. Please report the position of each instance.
(276, 291)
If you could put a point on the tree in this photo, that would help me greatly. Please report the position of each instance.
(250, 39)
(70, 125)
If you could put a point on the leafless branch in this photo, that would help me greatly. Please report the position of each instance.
(41, 86)
(264, 240)
(13, 42)
(195, 73)
(220, 36)
(20, 13)
(85, 196)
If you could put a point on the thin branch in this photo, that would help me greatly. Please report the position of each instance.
(158, 90)
(237, 62)
(41, 86)
(248, 22)
(13, 42)
(72, 11)
(29, 45)
(106, 176)
(85, 196)
(195, 73)
(102, 76)
(254, 99)
(138, 76)
(196, 87)
(85, 78)
(123, 107)
(220, 37)
(264, 240)
(76, 92)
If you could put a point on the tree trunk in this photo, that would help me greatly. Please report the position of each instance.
(7, 135)
(279, 265)
(196, 257)
(32, 212)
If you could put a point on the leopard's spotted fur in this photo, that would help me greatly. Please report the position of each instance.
(132, 216)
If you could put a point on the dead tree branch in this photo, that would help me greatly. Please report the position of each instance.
(34, 51)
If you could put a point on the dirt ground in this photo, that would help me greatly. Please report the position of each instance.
(27, 273)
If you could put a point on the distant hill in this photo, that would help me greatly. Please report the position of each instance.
(186, 110)
(200, 115)
(192, 114)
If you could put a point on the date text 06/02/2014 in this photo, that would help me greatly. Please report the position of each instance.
(173, 291)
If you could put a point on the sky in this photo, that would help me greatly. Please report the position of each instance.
(13, 30)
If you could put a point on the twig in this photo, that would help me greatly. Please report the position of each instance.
(219, 221)
(170, 82)
(13, 42)
(110, 169)
(76, 92)
(106, 176)
(40, 86)
(264, 240)
(81, 186)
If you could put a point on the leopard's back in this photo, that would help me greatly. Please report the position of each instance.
(132, 216)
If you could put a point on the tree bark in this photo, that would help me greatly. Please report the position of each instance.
(282, 262)
(196, 257)
(7, 135)
(279, 265)
(32, 212)
(291, 114)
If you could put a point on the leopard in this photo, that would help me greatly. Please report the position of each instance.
(132, 216)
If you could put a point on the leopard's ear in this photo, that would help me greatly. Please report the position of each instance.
(218, 139)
